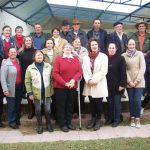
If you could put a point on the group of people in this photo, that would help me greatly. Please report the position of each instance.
(49, 69)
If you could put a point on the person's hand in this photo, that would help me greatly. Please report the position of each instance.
(6, 93)
(120, 88)
(90, 82)
(31, 97)
(136, 83)
(71, 83)
(131, 84)
(67, 84)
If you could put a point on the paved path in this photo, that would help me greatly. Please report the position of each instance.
(15, 136)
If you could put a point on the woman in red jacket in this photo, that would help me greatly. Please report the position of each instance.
(66, 72)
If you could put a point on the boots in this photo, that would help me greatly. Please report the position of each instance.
(39, 123)
(97, 125)
(31, 109)
(48, 122)
(91, 123)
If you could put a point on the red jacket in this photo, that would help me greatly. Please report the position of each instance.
(64, 70)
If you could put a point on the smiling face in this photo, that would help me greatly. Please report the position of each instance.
(28, 42)
(96, 24)
(76, 26)
(67, 49)
(76, 43)
(118, 28)
(12, 53)
(39, 57)
(56, 33)
(7, 32)
(19, 31)
(38, 29)
(94, 46)
(131, 44)
(49, 44)
(112, 49)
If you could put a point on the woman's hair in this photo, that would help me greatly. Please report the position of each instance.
(68, 45)
(76, 37)
(4, 27)
(91, 40)
(12, 48)
(37, 51)
(48, 40)
(18, 27)
(112, 43)
(55, 29)
(129, 40)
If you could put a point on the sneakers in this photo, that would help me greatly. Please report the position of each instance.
(132, 122)
(137, 123)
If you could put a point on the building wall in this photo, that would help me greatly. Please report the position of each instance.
(7, 19)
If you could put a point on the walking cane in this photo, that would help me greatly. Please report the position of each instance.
(80, 121)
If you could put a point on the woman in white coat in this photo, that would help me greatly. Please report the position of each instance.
(95, 67)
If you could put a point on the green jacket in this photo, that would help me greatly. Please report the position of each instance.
(146, 45)
(33, 80)
(44, 37)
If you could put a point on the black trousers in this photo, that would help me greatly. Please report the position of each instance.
(146, 101)
(96, 107)
(1, 102)
(64, 105)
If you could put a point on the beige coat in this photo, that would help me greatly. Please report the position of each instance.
(135, 67)
(99, 76)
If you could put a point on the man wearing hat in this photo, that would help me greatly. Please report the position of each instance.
(99, 34)
(76, 31)
(142, 37)
(118, 37)
(65, 30)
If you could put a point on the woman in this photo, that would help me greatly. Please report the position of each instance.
(66, 72)
(116, 80)
(26, 59)
(80, 52)
(95, 66)
(6, 42)
(135, 66)
(12, 87)
(59, 42)
(37, 82)
(49, 57)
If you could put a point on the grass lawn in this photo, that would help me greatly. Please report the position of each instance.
(110, 144)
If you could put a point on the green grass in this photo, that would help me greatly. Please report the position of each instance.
(110, 144)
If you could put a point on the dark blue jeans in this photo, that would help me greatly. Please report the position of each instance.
(14, 106)
(114, 107)
(135, 95)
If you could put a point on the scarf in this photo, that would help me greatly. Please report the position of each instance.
(19, 40)
(131, 52)
(92, 59)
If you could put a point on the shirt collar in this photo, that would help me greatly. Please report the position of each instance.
(65, 56)
(4, 38)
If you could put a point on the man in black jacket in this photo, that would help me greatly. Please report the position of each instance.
(99, 34)
(118, 37)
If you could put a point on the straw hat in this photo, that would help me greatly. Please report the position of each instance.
(141, 22)
(75, 21)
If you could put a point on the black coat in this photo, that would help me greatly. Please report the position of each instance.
(147, 74)
(113, 38)
(116, 75)
(102, 39)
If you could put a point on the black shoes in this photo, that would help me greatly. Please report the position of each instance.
(97, 125)
(71, 127)
(115, 124)
(91, 123)
(39, 129)
(31, 115)
(64, 129)
(13, 126)
(18, 123)
(50, 128)
(2, 125)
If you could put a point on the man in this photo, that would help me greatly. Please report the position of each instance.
(19, 38)
(142, 37)
(6, 42)
(65, 30)
(77, 32)
(99, 34)
(118, 37)
(39, 37)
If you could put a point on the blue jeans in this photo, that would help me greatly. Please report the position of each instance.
(135, 95)
(114, 105)
(14, 106)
